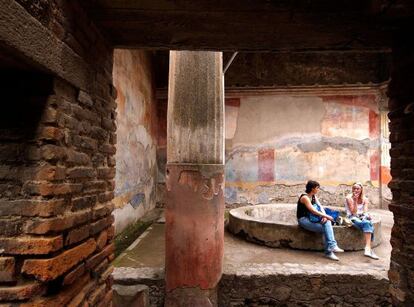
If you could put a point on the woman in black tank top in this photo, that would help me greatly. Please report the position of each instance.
(306, 210)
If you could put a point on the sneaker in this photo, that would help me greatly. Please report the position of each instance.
(370, 253)
(337, 250)
(332, 256)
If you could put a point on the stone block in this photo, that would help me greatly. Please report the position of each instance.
(134, 295)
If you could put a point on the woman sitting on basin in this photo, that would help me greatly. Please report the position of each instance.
(311, 216)
(356, 205)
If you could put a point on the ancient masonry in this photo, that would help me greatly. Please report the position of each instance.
(57, 163)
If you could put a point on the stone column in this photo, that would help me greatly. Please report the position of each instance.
(401, 115)
(194, 178)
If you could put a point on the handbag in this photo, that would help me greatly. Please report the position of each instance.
(315, 218)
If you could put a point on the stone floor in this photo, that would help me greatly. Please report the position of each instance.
(143, 261)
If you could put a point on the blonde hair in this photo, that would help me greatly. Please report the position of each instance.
(362, 195)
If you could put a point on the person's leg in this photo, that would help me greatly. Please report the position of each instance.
(367, 236)
(326, 230)
(329, 236)
(368, 229)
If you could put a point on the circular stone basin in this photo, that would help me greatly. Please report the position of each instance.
(275, 225)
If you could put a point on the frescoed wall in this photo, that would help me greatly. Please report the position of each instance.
(276, 142)
(136, 165)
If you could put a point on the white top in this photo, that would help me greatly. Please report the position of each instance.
(360, 208)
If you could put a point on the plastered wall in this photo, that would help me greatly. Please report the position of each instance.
(276, 142)
(136, 165)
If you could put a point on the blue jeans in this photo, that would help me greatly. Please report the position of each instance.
(326, 229)
(364, 225)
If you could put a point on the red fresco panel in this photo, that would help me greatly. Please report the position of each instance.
(373, 124)
(374, 166)
(266, 164)
(233, 102)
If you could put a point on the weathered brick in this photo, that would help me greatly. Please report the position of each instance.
(84, 98)
(102, 210)
(57, 224)
(77, 158)
(111, 232)
(47, 172)
(84, 202)
(98, 133)
(94, 186)
(74, 274)
(67, 121)
(85, 143)
(27, 245)
(49, 269)
(84, 114)
(108, 124)
(77, 234)
(41, 172)
(101, 224)
(49, 116)
(108, 149)
(107, 274)
(45, 188)
(81, 172)
(100, 256)
(107, 300)
(51, 152)
(49, 133)
(11, 226)
(101, 240)
(113, 138)
(111, 161)
(64, 297)
(106, 197)
(7, 269)
(111, 185)
(97, 295)
(21, 292)
(10, 152)
(106, 172)
(100, 268)
(32, 207)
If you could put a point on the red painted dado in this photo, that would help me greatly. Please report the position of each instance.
(368, 101)
(266, 164)
(374, 124)
(233, 102)
(385, 175)
(374, 166)
(194, 220)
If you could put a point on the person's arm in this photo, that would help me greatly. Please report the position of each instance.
(366, 205)
(351, 206)
(306, 201)
(320, 206)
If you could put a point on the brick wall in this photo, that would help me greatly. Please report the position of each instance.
(57, 165)
(401, 93)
